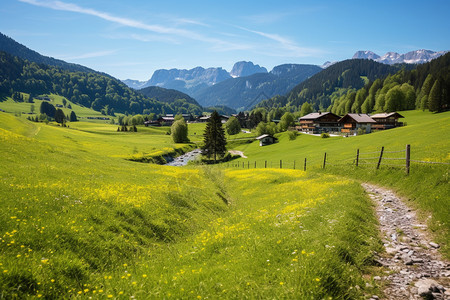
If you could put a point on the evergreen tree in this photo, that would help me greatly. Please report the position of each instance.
(60, 117)
(426, 88)
(48, 109)
(214, 137)
(73, 117)
(434, 98)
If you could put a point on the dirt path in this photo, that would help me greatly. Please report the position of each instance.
(415, 268)
(237, 152)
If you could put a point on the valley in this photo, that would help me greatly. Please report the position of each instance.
(89, 207)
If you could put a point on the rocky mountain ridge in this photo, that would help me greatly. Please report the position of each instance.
(390, 58)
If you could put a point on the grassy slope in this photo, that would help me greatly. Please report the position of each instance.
(427, 187)
(11, 106)
(76, 222)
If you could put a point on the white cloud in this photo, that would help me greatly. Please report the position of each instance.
(289, 47)
(88, 55)
(164, 31)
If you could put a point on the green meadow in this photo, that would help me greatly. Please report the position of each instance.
(79, 219)
(426, 187)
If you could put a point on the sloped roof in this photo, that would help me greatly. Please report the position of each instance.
(386, 115)
(359, 118)
(317, 115)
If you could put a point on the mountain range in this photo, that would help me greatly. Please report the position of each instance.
(193, 80)
(391, 58)
(247, 83)
(244, 92)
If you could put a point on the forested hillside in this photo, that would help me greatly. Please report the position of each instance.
(338, 78)
(93, 90)
(172, 97)
(426, 87)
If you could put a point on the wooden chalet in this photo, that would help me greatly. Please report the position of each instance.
(223, 118)
(319, 122)
(266, 139)
(152, 123)
(386, 120)
(352, 122)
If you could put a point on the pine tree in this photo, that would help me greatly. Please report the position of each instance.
(60, 117)
(434, 98)
(214, 138)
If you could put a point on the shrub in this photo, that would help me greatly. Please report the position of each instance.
(324, 135)
(292, 135)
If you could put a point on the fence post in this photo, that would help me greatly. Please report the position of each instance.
(324, 160)
(304, 166)
(248, 165)
(255, 164)
(408, 158)
(265, 164)
(381, 156)
(294, 164)
(243, 165)
(357, 157)
(281, 164)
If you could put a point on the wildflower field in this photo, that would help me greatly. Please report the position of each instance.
(425, 188)
(76, 223)
(79, 220)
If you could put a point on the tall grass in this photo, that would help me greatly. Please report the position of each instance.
(427, 186)
(76, 223)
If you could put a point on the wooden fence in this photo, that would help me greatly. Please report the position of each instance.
(396, 159)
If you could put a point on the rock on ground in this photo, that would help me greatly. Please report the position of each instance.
(414, 267)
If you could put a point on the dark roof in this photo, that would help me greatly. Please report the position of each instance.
(386, 115)
(317, 115)
(359, 118)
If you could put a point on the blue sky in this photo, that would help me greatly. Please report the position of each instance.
(132, 39)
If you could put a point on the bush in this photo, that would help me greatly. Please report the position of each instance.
(292, 135)
(233, 126)
(324, 135)
(179, 131)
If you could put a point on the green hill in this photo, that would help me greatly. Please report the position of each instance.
(344, 75)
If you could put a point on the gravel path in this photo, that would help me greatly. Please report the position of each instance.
(415, 269)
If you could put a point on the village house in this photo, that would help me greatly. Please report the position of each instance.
(204, 119)
(266, 139)
(319, 122)
(352, 122)
(386, 120)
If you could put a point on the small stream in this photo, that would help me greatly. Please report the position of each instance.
(182, 160)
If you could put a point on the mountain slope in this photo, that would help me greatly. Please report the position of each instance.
(244, 92)
(172, 97)
(12, 47)
(94, 90)
(344, 75)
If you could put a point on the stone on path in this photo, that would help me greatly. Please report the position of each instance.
(415, 271)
